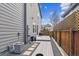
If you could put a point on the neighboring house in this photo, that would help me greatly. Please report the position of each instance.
(48, 27)
(72, 8)
(14, 18)
(33, 18)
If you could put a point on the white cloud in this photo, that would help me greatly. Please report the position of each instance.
(64, 7)
(50, 24)
(45, 21)
(51, 13)
(64, 4)
(61, 13)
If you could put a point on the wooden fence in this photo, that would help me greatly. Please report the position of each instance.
(66, 33)
(68, 40)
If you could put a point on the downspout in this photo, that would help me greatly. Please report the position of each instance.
(25, 36)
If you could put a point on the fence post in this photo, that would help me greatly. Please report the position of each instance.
(71, 43)
(56, 36)
(60, 38)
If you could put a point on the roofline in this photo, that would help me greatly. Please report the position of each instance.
(39, 10)
(71, 8)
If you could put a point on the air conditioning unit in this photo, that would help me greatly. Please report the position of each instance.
(16, 47)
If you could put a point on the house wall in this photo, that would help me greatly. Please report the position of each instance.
(33, 18)
(11, 23)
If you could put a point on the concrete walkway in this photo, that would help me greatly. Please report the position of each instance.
(42, 38)
(48, 47)
(44, 47)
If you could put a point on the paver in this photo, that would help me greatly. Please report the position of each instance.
(30, 48)
(33, 46)
(43, 38)
(44, 47)
(27, 53)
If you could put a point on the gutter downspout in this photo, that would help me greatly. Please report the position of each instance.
(25, 36)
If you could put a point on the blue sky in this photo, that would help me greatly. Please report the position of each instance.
(47, 8)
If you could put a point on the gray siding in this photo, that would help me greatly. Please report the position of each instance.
(11, 22)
